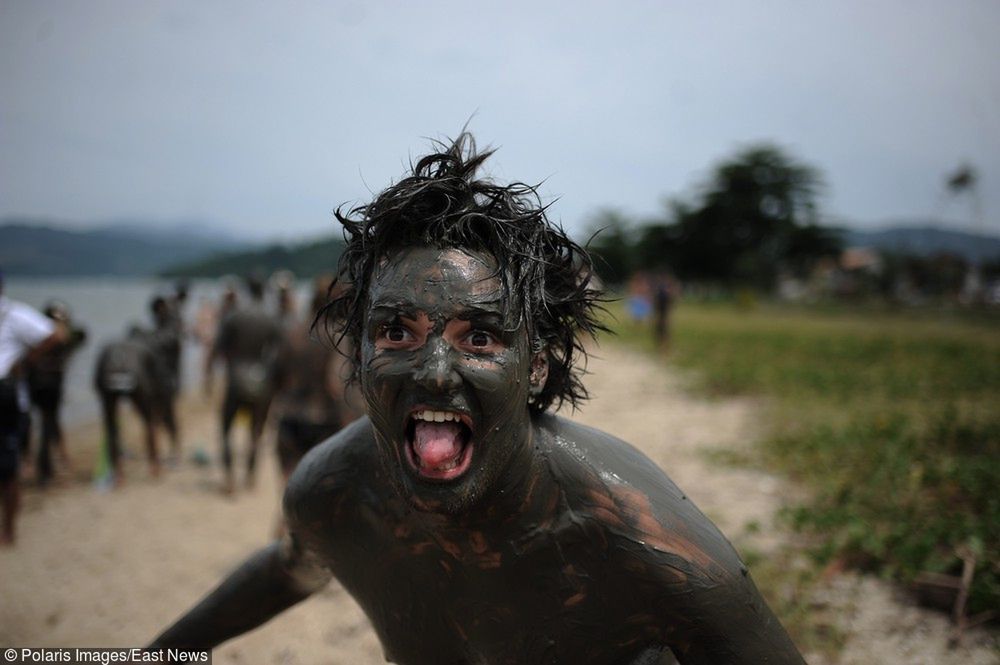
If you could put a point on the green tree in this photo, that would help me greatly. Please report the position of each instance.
(755, 218)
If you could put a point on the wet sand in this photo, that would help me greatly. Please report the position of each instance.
(96, 568)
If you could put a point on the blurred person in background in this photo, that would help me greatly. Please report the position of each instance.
(310, 378)
(134, 369)
(208, 320)
(247, 343)
(230, 297)
(46, 375)
(25, 335)
(177, 301)
(165, 341)
(664, 295)
(638, 298)
(284, 288)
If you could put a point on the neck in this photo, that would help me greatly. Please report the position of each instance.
(523, 490)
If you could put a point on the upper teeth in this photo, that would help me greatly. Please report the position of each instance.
(436, 416)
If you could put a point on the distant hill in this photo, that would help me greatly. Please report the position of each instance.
(926, 240)
(311, 258)
(194, 229)
(28, 247)
(305, 259)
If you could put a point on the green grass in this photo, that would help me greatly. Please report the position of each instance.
(892, 419)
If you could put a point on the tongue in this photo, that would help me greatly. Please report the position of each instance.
(436, 443)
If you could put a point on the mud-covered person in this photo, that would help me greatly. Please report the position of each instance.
(247, 341)
(208, 320)
(310, 377)
(165, 339)
(46, 376)
(470, 523)
(135, 370)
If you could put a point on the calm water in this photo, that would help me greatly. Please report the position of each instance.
(106, 307)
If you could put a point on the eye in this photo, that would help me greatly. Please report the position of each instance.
(480, 340)
(394, 334)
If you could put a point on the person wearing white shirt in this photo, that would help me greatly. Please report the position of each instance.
(24, 334)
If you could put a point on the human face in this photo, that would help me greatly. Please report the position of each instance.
(445, 376)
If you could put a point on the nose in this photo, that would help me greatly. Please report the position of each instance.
(437, 366)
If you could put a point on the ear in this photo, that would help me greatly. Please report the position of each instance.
(539, 373)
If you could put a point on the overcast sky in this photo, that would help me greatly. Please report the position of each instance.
(264, 116)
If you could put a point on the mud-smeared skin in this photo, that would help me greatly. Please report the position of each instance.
(592, 556)
(560, 544)
(436, 300)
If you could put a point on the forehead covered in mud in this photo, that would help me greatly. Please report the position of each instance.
(441, 282)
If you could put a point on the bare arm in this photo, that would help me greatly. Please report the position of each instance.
(701, 582)
(213, 355)
(736, 626)
(697, 584)
(685, 574)
(58, 336)
(269, 582)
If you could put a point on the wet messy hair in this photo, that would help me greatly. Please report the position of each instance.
(443, 204)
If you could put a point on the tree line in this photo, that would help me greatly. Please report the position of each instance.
(754, 219)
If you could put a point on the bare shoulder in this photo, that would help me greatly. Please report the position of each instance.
(613, 482)
(614, 462)
(331, 472)
(677, 565)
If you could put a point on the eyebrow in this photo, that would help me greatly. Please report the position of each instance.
(474, 312)
(395, 307)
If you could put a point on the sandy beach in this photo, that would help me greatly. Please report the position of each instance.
(99, 568)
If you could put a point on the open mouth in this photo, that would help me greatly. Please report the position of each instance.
(439, 443)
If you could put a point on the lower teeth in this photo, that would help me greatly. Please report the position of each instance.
(444, 467)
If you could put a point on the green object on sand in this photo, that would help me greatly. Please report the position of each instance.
(200, 457)
(104, 476)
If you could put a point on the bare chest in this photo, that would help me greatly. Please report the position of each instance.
(544, 596)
